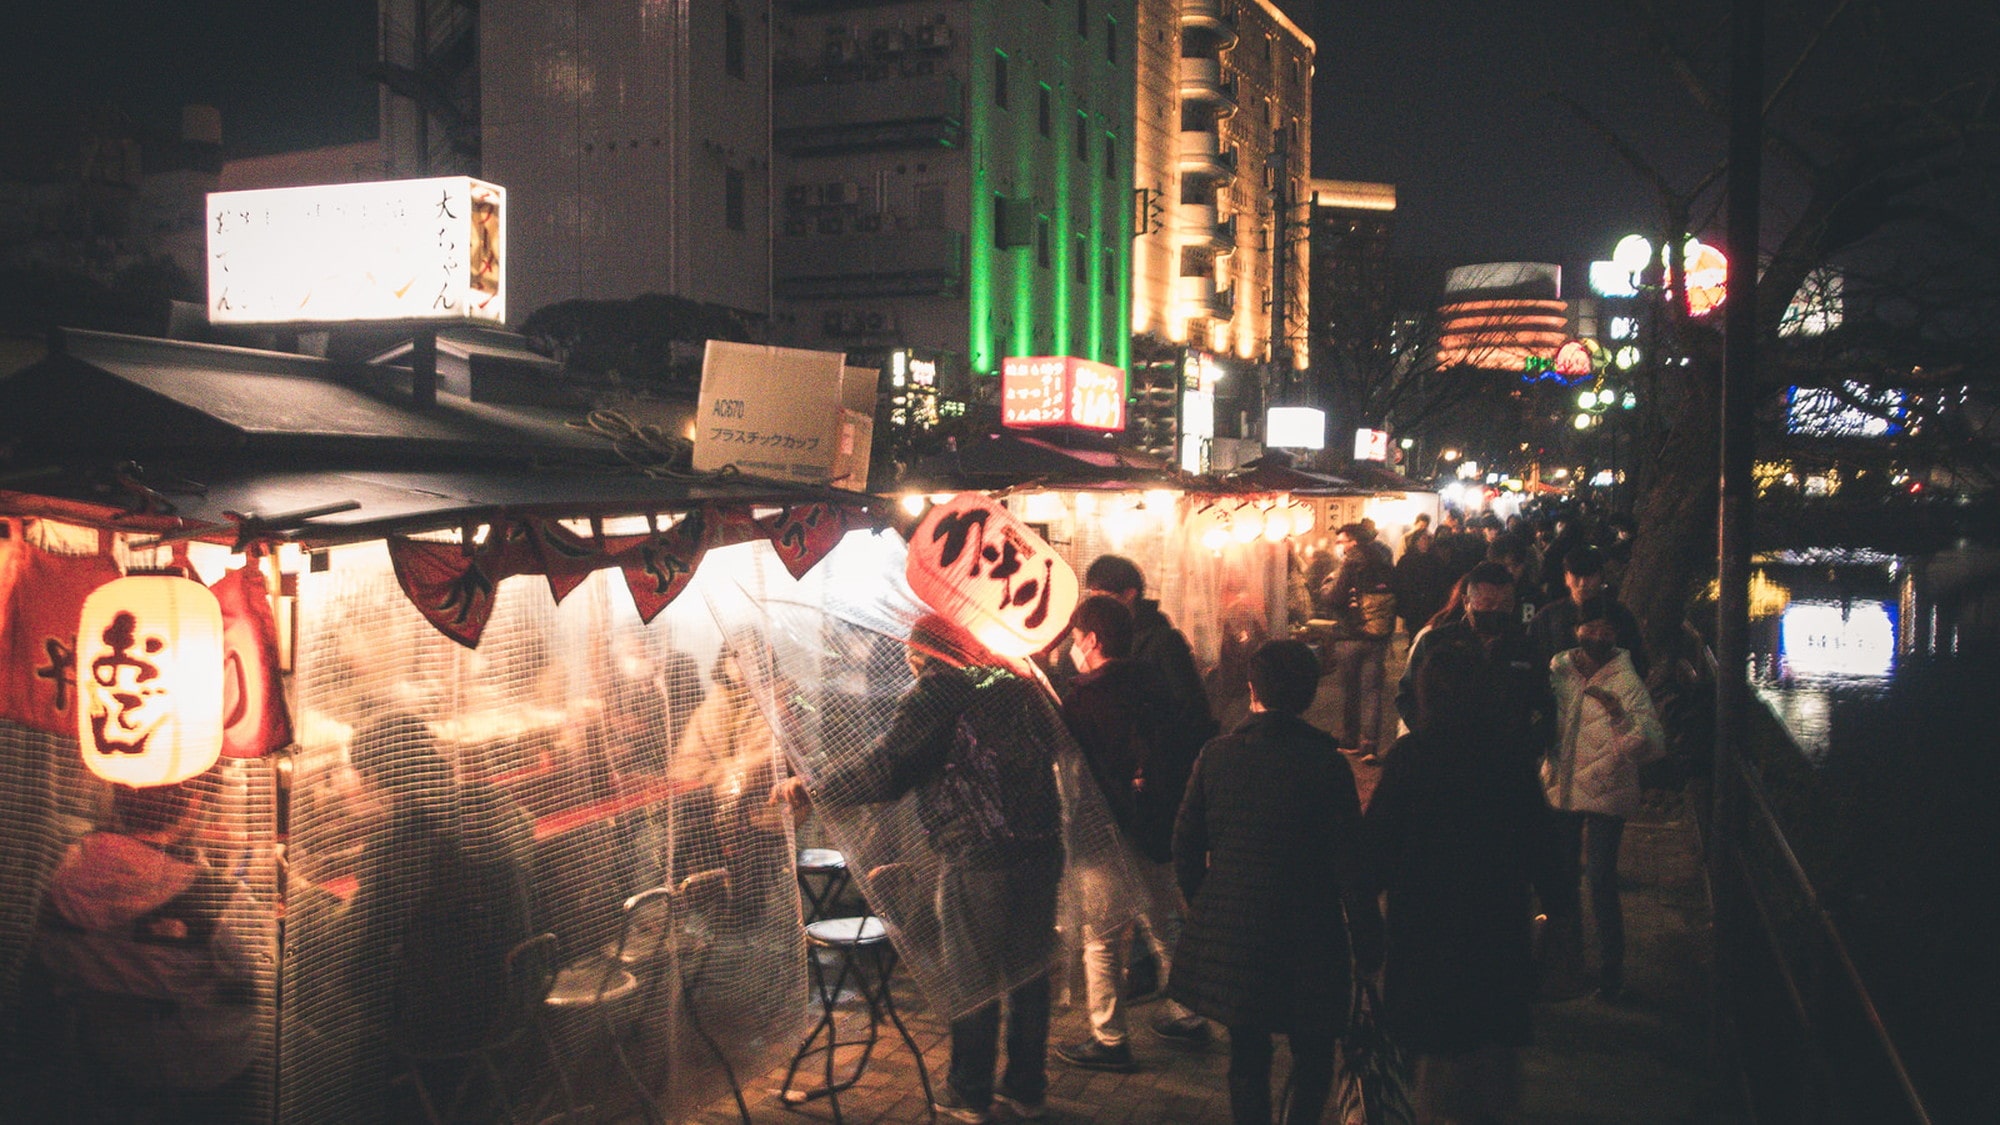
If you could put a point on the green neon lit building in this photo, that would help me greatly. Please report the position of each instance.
(955, 179)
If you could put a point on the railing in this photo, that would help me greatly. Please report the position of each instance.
(1809, 1040)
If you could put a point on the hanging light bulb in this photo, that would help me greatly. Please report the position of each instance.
(1302, 520)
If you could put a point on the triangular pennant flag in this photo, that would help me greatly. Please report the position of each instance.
(564, 556)
(659, 566)
(453, 590)
(803, 533)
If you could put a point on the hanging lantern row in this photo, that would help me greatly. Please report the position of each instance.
(1221, 524)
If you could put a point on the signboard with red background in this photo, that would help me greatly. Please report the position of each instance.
(1061, 391)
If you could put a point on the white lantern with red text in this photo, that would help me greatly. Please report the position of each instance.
(974, 563)
(149, 680)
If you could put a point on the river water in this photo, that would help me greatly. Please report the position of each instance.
(1886, 679)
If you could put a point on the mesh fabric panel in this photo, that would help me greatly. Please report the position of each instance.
(449, 803)
(137, 949)
(966, 812)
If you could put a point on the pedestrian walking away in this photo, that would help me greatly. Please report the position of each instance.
(1266, 849)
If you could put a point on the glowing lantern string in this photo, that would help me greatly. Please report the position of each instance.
(149, 664)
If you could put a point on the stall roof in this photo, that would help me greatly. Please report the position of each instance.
(1372, 476)
(200, 441)
(1267, 476)
(140, 396)
(1003, 459)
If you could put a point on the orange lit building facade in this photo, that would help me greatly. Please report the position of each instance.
(1218, 80)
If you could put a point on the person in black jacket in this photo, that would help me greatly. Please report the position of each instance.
(1458, 833)
(1357, 596)
(1155, 641)
(1267, 852)
(973, 744)
(1554, 628)
(1523, 711)
(1141, 765)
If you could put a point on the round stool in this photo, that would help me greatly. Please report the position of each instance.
(822, 874)
(861, 949)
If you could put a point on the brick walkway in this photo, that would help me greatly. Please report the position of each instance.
(1646, 1060)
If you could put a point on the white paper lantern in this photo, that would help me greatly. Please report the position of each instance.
(149, 658)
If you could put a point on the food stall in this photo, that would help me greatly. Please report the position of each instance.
(470, 693)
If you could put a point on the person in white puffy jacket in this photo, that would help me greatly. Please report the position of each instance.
(1605, 728)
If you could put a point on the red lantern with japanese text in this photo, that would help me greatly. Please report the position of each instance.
(149, 660)
(974, 563)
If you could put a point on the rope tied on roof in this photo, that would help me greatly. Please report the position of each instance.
(649, 447)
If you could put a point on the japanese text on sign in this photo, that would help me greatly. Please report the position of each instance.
(1061, 391)
(429, 249)
(975, 563)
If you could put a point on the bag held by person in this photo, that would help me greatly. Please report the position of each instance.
(1373, 1087)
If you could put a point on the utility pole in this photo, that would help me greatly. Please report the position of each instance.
(1285, 232)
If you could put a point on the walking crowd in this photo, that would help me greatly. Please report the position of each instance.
(1272, 902)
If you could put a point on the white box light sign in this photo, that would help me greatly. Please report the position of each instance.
(398, 250)
(1295, 427)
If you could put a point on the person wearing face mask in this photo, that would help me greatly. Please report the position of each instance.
(1488, 625)
(1606, 728)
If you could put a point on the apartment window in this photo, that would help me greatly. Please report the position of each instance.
(1045, 110)
(1082, 137)
(732, 42)
(732, 199)
(1043, 251)
(1110, 155)
(1110, 277)
(1080, 261)
(1083, 18)
(1000, 79)
(1110, 40)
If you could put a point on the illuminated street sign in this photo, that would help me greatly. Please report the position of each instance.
(1061, 391)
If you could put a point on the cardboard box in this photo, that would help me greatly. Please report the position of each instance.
(785, 414)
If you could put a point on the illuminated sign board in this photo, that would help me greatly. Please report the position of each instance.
(1371, 445)
(1061, 391)
(399, 250)
(1295, 427)
(1828, 639)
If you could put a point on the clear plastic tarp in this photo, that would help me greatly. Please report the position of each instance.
(966, 813)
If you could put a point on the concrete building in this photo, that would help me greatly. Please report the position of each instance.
(634, 144)
(1351, 311)
(955, 181)
(1237, 79)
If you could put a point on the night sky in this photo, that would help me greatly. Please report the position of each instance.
(1444, 98)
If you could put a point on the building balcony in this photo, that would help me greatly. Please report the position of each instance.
(1199, 224)
(1216, 17)
(903, 263)
(1202, 81)
(1202, 154)
(892, 112)
(1198, 296)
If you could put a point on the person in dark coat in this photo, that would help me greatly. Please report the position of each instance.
(1141, 765)
(1266, 850)
(974, 744)
(1524, 712)
(1155, 641)
(1458, 833)
(1360, 597)
(1423, 580)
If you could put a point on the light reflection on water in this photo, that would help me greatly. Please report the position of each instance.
(1820, 653)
